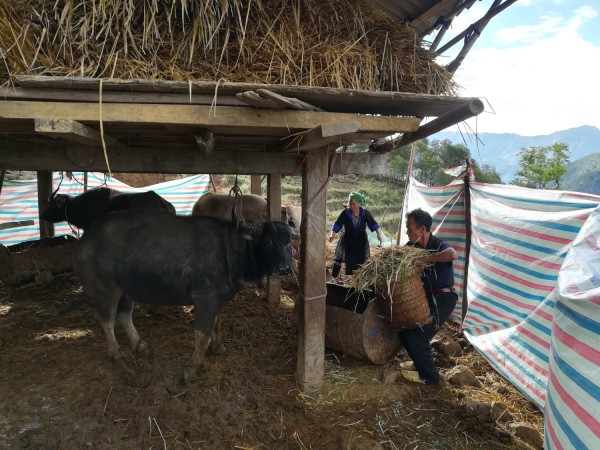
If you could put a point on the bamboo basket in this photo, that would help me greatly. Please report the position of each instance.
(403, 302)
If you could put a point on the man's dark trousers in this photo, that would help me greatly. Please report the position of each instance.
(416, 341)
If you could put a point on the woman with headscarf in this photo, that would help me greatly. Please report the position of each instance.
(353, 246)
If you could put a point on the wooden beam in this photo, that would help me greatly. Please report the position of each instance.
(72, 131)
(311, 299)
(222, 120)
(44, 190)
(323, 135)
(26, 155)
(274, 208)
(435, 11)
(461, 113)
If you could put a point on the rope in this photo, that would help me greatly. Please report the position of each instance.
(102, 131)
(238, 197)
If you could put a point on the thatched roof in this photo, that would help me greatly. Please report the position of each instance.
(330, 43)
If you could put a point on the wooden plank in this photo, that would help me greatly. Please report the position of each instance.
(17, 224)
(323, 135)
(25, 155)
(329, 99)
(224, 120)
(287, 102)
(274, 209)
(253, 99)
(89, 96)
(44, 190)
(72, 131)
(311, 300)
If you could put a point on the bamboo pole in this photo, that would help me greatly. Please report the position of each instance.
(406, 183)
(468, 229)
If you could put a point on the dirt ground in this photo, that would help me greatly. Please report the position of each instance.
(58, 390)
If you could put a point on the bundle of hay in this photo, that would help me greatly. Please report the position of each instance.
(395, 276)
(333, 43)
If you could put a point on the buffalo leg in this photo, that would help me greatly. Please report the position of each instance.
(107, 311)
(204, 323)
(216, 347)
(124, 313)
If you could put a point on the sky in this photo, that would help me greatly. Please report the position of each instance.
(536, 66)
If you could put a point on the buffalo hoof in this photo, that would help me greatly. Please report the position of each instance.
(220, 350)
(189, 374)
(142, 349)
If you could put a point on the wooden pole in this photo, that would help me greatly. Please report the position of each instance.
(458, 114)
(255, 185)
(311, 300)
(468, 229)
(407, 182)
(44, 181)
(274, 208)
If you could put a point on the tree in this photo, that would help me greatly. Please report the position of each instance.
(486, 173)
(542, 167)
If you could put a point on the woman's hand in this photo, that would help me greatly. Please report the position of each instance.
(332, 237)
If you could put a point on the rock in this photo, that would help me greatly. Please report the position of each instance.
(499, 388)
(500, 412)
(474, 409)
(450, 347)
(504, 437)
(461, 376)
(528, 433)
(390, 376)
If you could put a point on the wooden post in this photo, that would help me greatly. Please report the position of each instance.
(408, 175)
(255, 185)
(274, 208)
(468, 228)
(311, 300)
(44, 180)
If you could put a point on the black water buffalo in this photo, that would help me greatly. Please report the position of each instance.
(82, 209)
(152, 257)
(254, 209)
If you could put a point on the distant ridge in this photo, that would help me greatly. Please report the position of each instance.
(500, 150)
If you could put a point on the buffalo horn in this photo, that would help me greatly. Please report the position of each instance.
(253, 229)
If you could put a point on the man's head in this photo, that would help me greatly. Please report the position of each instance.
(418, 226)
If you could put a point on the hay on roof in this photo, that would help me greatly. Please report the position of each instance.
(331, 43)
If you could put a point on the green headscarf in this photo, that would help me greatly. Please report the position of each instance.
(359, 198)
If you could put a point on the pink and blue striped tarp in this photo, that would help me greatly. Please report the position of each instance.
(18, 200)
(519, 241)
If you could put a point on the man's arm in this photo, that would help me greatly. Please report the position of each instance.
(446, 255)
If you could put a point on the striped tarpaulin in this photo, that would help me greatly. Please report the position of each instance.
(572, 418)
(520, 238)
(18, 200)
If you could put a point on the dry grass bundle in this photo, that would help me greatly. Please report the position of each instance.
(390, 266)
(332, 43)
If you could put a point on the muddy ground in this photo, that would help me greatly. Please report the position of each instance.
(60, 391)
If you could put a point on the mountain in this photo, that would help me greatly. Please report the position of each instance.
(583, 175)
(501, 150)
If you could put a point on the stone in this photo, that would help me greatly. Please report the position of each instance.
(500, 412)
(450, 347)
(461, 376)
(390, 375)
(499, 388)
(528, 433)
(475, 409)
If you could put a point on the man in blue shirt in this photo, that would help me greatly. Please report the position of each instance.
(438, 281)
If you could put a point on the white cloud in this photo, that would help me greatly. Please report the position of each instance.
(541, 86)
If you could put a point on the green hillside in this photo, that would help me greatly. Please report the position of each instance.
(384, 197)
(583, 175)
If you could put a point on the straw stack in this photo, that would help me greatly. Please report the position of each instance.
(332, 43)
(396, 277)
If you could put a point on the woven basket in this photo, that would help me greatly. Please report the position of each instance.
(408, 307)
